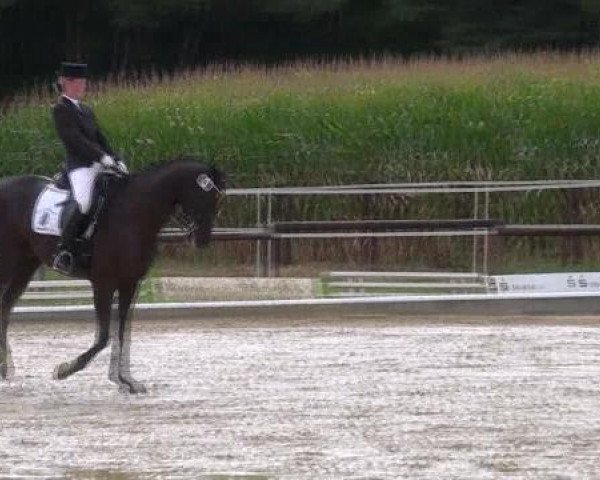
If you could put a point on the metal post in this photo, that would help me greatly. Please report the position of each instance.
(475, 216)
(486, 239)
(259, 266)
(269, 241)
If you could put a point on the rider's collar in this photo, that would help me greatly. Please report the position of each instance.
(72, 100)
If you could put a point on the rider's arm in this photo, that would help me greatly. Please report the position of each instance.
(102, 140)
(104, 144)
(107, 148)
(65, 121)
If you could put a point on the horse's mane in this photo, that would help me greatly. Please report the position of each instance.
(162, 164)
(155, 167)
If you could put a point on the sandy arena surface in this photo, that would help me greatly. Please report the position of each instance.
(377, 398)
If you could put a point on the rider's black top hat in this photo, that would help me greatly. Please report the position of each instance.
(73, 70)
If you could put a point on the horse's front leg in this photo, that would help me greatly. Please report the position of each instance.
(120, 369)
(103, 297)
(5, 357)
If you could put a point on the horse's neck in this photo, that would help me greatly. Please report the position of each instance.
(161, 189)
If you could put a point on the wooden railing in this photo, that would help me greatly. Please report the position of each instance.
(269, 237)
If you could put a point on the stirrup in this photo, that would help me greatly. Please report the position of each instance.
(63, 261)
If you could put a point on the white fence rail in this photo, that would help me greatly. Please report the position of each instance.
(426, 187)
(352, 284)
(52, 291)
(481, 192)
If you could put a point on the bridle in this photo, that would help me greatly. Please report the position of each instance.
(185, 221)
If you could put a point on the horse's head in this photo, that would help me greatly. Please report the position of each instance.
(200, 201)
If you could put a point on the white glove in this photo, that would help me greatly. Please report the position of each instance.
(108, 162)
(121, 166)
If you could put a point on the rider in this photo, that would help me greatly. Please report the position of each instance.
(87, 152)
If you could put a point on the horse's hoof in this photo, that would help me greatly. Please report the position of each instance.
(138, 388)
(62, 371)
(134, 388)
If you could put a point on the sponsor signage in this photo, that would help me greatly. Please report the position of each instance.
(545, 282)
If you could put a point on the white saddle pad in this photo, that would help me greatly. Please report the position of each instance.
(48, 210)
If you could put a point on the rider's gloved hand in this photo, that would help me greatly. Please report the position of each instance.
(108, 162)
(122, 167)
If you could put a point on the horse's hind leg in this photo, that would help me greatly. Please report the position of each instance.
(5, 357)
(103, 297)
(10, 290)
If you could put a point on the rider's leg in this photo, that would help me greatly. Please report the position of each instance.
(70, 232)
(82, 185)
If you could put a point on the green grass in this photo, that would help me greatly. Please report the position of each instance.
(503, 118)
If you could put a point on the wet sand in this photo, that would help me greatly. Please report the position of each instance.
(363, 399)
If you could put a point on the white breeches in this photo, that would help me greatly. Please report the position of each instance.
(82, 183)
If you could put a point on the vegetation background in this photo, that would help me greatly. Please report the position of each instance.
(137, 36)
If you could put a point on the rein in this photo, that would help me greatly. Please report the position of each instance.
(185, 222)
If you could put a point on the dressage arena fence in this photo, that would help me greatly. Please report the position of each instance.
(565, 294)
(352, 284)
(204, 293)
(72, 292)
(270, 234)
(331, 284)
(57, 291)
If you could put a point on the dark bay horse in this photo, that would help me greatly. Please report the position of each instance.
(123, 248)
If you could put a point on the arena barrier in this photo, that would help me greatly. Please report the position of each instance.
(576, 293)
(268, 234)
(389, 306)
(53, 291)
(352, 284)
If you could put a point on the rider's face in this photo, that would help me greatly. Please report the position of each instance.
(74, 87)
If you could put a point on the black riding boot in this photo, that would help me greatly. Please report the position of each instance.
(65, 257)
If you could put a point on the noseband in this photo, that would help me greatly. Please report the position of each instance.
(185, 221)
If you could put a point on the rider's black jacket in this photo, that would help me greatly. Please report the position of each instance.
(77, 128)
